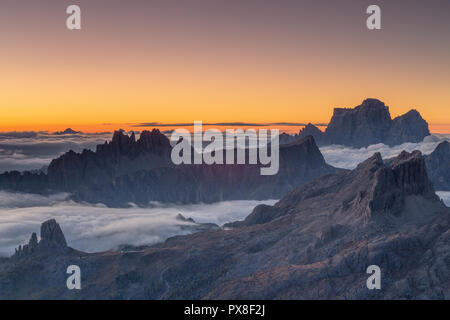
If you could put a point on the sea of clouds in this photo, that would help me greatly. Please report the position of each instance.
(348, 157)
(95, 228)
(34, 150)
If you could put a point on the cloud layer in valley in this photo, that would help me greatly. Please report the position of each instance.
(348, 157)
(94, 228)
(34, 150)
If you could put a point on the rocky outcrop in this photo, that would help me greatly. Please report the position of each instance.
(52, 235)
(438, 166)
(315, 243)
(52, 241)
(371, 123)
(406, 176)
(364, 125)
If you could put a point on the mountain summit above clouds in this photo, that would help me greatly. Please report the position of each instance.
(315, 243)
(369, 123)
(127, 170)
(437, 165)
(66, 132)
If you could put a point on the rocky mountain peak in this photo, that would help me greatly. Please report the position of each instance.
(371, 123)
(409, 127)
(52, 235)
(373, 103)
(411, 174)
(372, 163)
(364, 125)
(301, 152)
(33, 243)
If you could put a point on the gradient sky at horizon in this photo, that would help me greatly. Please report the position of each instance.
(218, 61)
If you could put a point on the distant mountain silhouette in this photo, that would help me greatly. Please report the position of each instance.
(300, 162)
(128, 170)
(315, 243)
(367, 124)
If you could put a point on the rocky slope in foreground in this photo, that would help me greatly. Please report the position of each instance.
(315, 243)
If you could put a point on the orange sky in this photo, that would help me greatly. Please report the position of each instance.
(128, 67)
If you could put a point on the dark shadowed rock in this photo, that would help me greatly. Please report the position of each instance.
(24, 182)
(312, 130)
(183, 218)
(52, 235)
(52, 242)
(410, 127)
(411, 174)
(299, 162)
(438, 166)
(372, 189)
(371, 123)
(194, 226)
(33, 243)
(67, 131)
(315, 243)
(128, 170)
(123, 155)
(308, 130)
(364, 125)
